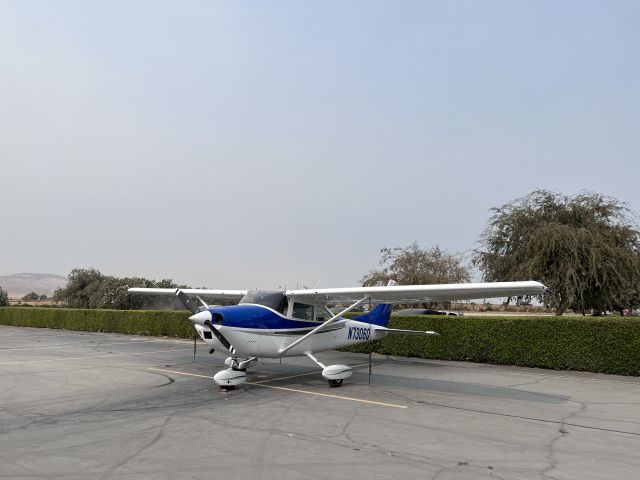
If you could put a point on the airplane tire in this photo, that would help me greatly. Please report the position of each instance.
(335, 383)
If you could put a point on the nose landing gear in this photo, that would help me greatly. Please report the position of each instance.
(235, 375)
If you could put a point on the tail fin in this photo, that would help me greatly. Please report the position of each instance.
(380, 315)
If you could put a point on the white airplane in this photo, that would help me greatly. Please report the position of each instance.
(287, 323)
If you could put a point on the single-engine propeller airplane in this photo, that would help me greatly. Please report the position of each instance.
(287, 323)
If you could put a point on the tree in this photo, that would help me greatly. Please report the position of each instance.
(88, 288)
(31, 297)
(585, 248)
(4, 298)
(412, 265)
(80, 289)
(113, 293)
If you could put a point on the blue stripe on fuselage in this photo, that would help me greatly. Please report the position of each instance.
(257, 316)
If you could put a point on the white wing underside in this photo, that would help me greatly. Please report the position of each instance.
(216, 294)
(389, 294)
(420, 293)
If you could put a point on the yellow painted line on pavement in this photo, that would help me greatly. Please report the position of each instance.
(298, 375)
(372, 402)
(287, 389)
(179, 373)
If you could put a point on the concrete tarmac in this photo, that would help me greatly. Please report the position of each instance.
(79, 405)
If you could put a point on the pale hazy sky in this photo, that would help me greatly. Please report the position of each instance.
(246, 144)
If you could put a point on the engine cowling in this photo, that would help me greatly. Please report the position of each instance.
(230, 378)
(337, 372)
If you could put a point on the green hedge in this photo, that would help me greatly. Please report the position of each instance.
(595, 344)
(133, 322)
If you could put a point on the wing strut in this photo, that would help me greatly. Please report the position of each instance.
(331, 320)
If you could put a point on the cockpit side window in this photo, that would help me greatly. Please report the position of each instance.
(302, 311)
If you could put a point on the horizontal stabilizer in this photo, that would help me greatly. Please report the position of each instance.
(407, 332)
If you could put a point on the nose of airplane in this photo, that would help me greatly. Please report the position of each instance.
(200, 317)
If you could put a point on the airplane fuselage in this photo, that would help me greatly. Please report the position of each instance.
(259, 331)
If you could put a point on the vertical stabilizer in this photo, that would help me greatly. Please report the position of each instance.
(380, 315)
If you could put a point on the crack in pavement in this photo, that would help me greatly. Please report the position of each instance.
(550, 456)
(528, 383)
(509, 415)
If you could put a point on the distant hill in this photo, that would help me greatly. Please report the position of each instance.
(20, 284)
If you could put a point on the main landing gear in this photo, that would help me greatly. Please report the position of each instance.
(235, 375)
(334, 374)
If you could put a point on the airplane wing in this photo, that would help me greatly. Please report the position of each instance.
(216, 294)
(419, 293)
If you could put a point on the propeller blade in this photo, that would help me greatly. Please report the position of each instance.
(223, 340)
(204, 304)
(186, 301)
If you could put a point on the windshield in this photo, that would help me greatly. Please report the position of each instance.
(269, 298)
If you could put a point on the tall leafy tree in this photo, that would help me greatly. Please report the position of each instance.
(88, 288)
(585, 248)
(81, 288)
(413, 265)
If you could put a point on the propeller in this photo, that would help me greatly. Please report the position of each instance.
(190, 304)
